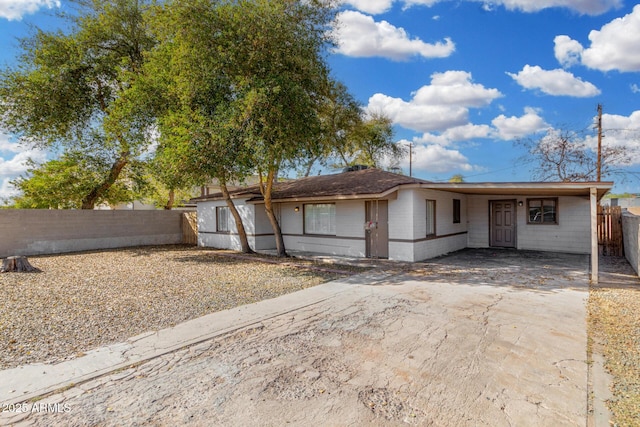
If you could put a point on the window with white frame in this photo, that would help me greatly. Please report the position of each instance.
(320, 218)
(223, 219)
(431, 218)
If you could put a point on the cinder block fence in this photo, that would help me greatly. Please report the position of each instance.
(39, 231)
(631, 235)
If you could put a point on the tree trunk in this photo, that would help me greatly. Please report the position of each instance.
(90, 199)
(268, 206)
(242, 234)
(310, 164)
(169, 204)
(17, 264)
(277, 231)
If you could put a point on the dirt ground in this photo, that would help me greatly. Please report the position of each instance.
(614, 322)
(479, 338)
(85, 300)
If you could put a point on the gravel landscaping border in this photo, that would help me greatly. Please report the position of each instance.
(81, 301)
(614, 330)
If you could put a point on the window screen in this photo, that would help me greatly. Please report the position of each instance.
(320, 218)
(223, 218)
(431, 217)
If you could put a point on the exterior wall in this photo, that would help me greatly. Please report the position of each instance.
(40, 231)
(255, 222)
(571, 234)
(408, 226)
(348, 241)
(631, 235)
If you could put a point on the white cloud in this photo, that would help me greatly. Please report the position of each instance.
(588, 7)
(381, 6)
(617, 122)
(6, 189)
(437, 159)
(17, 165)
(505, 128)
(556, 82)
(422, 118)
(456, 134)
(623, 131)
(455, 88)
(13, 163)
(635, 88)
(619, 131)
(359, 35)
(441, 105)
(371, 6)
(516, 127)
(16, 9)
(568, 51)
(6, 146)
(616, 46)
(409, 3)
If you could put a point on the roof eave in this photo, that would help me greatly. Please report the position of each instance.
(524, 188)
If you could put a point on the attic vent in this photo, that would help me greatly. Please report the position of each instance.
(355, 168)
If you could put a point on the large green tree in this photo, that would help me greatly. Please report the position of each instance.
(243, 83)
(350, 136)
(199, 117)
(279, 47)
(340, 116)
(373, 143)
(76, 90)
(62, 183)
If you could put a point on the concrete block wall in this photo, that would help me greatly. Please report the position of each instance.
(436, 247)
(259, 232)
(40, 231)
(631, 235)
(402, 223)
(571, 234)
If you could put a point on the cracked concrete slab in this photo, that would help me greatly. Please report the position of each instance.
(476, 338)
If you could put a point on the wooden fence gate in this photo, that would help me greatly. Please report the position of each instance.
(190, 228)
(610, 231)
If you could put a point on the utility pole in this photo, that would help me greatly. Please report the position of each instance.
(599, 164)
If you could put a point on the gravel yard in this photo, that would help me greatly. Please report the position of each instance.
(85, 300)
(614, 327)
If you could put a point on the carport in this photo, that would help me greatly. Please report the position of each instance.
(520, 193)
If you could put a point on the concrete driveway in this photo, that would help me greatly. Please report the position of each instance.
(477, 338)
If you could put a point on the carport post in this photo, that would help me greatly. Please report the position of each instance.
(594, 234)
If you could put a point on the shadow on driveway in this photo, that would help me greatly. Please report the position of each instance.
(530, 270)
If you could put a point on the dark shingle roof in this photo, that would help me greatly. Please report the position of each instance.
(346, 184)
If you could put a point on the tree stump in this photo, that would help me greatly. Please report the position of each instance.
(17, 264)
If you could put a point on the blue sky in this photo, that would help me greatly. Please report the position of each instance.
(461, 79)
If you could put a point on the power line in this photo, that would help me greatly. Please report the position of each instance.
(521, 162)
